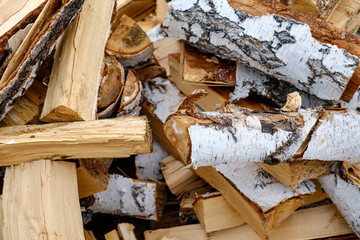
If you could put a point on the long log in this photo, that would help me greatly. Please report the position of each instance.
(38, 44)
(207, 26)
(110, 138)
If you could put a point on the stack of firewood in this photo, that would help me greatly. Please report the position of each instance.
(208, 119)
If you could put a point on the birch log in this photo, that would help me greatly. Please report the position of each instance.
(38, 44)
(345, 194)
(75, 79)
(317, 8)
(108, 138)
(126, 196)
(264, 43)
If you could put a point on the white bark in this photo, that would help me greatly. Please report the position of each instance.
(163, 95)
(250, 80)
(264, 43)
(336, 138)
(147, 165)
(345, 194)
(259, 186)
(244, 137)
(125, 196)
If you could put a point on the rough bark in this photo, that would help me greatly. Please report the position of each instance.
(235, 34)
(126, 196)
(76, 73)
(345, 195)
(107, 138)
(38, 44)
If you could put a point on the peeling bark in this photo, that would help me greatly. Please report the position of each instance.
(345, 195)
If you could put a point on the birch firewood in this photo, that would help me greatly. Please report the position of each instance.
(346, 15)
(126, 196)
(126, 231)
(75, 79)
(41, 201)
(317, 8)
(136, 9)
(108, 138)
(276, 36)
(345, 194)
(38, 44)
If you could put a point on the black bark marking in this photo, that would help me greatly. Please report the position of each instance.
(138, 192)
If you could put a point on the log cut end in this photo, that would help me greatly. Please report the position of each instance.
(61, 114)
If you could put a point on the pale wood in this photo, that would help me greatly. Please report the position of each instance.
(75, 78)
(89, 235)
(128, 42)
(275, 48)
(92, 176)
(346, 15)
(37, 45)
(317, 8)
(108, 138)
(131, 96)
(178, 177)
(215, 214)
(293, 173)
(41, 200)
(126, 231)
(302, 225)
(148, 165)
(352, 172)
(136, 9)
(131, 197)
(28, 108)
(112, 235)
(163, 48)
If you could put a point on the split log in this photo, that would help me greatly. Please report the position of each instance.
(197, 67)
(38, 203)
(317, 8)
(92, 176)
(252, 81)
(126, 196)
(352, 172)
(126, 231)
(89, 235)
(293, 173)
(178, 177)
(75, 79)
(149, 71)
(215, 214)
(113, 235)
(110, 138)
(163, 48)
(28, 108)
(15, 17)
(277, 36)
(111, 87)
(128, 42)
(301, 225)
(260, 200)
(346, 15)
(136, 9)
(131, 96)
(345, 195)
(148, 165)
(38, 44)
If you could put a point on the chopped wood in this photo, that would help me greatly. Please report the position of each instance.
(92, 176)
(293, 173)
(126, 196)
(73, 87)
(128, 42)
(113, 235)
(345, 195)
(131, 97)
(261, 201)
(317, 8)
(326, 80)
(178, 177)
(215, 214)
(163, 48)
(107, 138)
(28, 108)
(38, 44)
(41, 200)
(352, 172)
(126, 231)
(150, 71)
(200, 67)
(148, 165)
(89, 235)
(136, 9)
(346, 15)
(111, 86)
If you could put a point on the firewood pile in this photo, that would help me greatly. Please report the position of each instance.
(188, 120)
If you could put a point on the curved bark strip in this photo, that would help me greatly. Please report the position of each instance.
(250, 80)
(345, 194)
(264, 43)
(20, 74)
